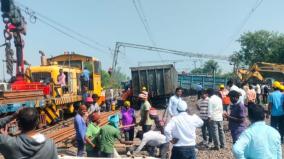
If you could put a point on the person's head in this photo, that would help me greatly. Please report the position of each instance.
(182, 106)
(234, 96)
(210, 92)
(203, 94)
(61, 71)
(89, 101)
(281, 88)
(276, 85)
(179, 91)
(142, 97)
(95, 117)
(256, 113)
(230, 83)
(250, 87)
(95, 97)
(127, 104)
(28, 119)
(221, 87)
(144, 89)
(114, 120)
(85, 68)
(82, 110)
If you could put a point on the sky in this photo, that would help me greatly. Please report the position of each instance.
(199, 26)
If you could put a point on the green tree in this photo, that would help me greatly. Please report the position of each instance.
(105, 78)
(197, 71)
(208, 68)
(211, 65)
(260, 46)
(113, 80)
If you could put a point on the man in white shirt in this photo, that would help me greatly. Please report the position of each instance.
(258, 93)
(180, 131)
(233, 87)
(174, 100)
(154, 139)
(215, 117)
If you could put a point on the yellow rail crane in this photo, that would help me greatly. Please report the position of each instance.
(66, 101)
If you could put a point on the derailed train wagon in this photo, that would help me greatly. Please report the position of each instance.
(160, 82)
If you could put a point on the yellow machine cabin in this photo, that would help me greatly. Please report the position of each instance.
(262, 71)
(62, 99)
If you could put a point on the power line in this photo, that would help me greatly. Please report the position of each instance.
(243, 23)
(145, 23)
(62, 29)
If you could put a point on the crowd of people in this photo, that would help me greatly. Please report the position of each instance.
(174, 135)
(245, 112)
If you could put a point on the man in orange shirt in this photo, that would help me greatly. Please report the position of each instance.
(251, 95)
(225, 99)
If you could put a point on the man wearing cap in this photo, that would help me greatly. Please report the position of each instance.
(225, 99)
(81, 128)
(91, 137)
(174, 100)
(180, 131)
(276, 110)
(108, 134)
(281, 88)
(146, 122)
(128, 119)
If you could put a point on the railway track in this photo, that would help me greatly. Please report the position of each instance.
(65, 131)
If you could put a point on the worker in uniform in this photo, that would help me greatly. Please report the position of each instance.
(91, 137)
(225, 99)
(276, 109)
(108, 134)
(128, 121)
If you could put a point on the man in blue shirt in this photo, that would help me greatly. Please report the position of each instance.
(199, 89)
(85, 77)
(81, 128)
(258, 141)
(275, 108)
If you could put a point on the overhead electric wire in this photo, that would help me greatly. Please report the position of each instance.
(243, 23)
(144, 21)
(64, 29)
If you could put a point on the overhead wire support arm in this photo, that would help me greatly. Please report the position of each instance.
(167, 51)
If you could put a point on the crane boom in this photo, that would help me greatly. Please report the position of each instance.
(163, 50)
(15, 27)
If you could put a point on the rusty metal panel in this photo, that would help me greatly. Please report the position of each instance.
(159, 80)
